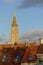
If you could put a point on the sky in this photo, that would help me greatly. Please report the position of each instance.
(29, 15)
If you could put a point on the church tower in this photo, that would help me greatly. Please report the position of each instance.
(14, 31)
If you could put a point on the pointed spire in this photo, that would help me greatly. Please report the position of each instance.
(14, 20)
(14, 14)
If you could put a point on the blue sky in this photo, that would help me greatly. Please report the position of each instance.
(29, 18)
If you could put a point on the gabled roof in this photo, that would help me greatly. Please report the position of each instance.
(30, 52)
(40, 49)
(25, 51)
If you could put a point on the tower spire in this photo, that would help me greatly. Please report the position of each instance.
(14, 31)
(14, 20)
(15, 14)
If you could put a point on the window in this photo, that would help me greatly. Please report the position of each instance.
(5, 58)
(30, 58)
(18, 58)
(40, 61)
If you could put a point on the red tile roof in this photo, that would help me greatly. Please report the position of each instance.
(40, 49)
(25, 51)
(30, 51)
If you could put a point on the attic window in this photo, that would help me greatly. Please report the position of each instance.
(5, 58)
(18, 58)
(30, 58)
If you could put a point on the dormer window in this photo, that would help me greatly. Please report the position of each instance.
(18, 58)
(30, 58)
(5, 58)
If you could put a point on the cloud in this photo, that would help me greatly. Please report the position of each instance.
(29, 3)
(3, 39)
(9, 1)
(25, 3)
(32, 36)
(13, 1)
